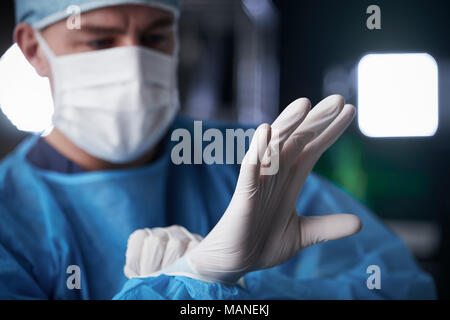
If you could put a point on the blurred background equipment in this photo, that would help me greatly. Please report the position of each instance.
(244, 60)
(229, 60)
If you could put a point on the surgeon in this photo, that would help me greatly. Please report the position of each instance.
(98, 209)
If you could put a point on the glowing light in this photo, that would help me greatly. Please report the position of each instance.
(25, 97)
(398, 95)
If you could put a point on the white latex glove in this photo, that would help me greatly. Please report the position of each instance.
(261, 227)
(150, 250)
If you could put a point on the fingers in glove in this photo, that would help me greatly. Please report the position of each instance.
(250, 168)
(313, 150)
(153, 251)
(150, 250)
(179, 241)
(282, 128)
(291, 117)
(318, 229)
(180, 233)
(317, 121)
(133, 254)
(319, 145)
(305, 162)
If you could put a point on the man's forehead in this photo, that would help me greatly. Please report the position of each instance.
(41, 14)
(119, 17)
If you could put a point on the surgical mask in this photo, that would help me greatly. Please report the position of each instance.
(115, 104)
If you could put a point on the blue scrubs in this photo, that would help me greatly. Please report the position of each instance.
(44, 156)
(50, 220)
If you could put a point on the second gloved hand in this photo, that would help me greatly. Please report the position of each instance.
(149, 251)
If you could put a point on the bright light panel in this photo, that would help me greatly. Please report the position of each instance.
(25, 97)
(398, 95)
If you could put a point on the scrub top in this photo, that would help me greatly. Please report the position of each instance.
(44, 156)
(52, 222)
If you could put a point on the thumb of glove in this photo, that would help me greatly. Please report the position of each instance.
(328, 227)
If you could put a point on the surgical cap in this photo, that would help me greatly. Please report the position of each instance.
(42, 13)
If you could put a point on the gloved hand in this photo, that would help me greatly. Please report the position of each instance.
(261, 227)
(150, 250)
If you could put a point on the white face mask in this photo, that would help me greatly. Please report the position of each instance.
(115, 104)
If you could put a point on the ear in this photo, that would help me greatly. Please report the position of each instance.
(26, 40)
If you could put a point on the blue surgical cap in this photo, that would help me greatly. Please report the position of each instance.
(42, 13)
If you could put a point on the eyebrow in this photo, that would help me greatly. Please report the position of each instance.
(161, 23)
(102, 29)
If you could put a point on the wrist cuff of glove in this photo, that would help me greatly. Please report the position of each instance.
(182, 267)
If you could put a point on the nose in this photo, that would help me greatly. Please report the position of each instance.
(129, 40)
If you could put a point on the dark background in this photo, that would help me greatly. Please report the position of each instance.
(403, 180)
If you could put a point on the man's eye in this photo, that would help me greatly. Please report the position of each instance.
(153, 39)
(100, 43)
